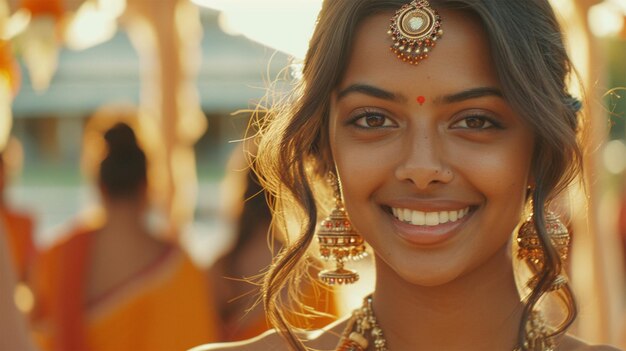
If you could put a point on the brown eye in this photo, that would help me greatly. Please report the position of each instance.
(373, 120)
(474, 122)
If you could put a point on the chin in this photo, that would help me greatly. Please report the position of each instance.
(421, 274)
(435, 279)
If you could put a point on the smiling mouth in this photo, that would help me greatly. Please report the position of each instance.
(429, 218)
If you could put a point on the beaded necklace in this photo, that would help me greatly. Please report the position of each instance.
(363, 321)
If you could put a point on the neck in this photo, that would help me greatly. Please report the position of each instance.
(479, 311)
(124, 218)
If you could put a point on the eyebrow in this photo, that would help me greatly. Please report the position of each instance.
(473, 93)
(468, 94)
(371, 91)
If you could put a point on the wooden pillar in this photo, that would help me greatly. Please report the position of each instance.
(167, 35)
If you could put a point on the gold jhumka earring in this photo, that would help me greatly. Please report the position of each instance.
(339, 241)
(531, 251)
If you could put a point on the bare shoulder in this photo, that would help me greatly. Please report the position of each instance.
(323, 339)
(571, 343)
(270, 340)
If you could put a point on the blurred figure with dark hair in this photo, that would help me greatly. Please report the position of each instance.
(235, 276)
(18, 229)
(115, 286)
(123, 173)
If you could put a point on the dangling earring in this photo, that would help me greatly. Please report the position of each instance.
(531, 251)
(339, 241)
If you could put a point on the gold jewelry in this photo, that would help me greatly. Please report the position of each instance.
(363, 321)
(537, 335)
(414, 30)
(339, 241)
(531, 251)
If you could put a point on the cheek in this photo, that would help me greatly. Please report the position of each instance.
(501, 169)
(361, 168)
(501, 177)
(361, 173)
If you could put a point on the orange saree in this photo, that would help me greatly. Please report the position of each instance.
(19, 230)
(164, 307)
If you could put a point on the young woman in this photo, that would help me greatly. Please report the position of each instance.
(446, 124)
(19, 229)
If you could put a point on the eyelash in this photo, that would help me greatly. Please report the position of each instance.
(361, 116)
(493, 124)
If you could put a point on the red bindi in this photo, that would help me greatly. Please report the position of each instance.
(421, 100)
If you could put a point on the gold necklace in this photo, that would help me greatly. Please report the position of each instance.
(363, 320)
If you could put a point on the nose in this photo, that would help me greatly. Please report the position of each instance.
(423, 163)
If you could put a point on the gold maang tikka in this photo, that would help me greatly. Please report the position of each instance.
(339, 241)
(414, 30)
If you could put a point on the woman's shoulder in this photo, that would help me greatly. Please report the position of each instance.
(572, 343)
(328, 338)
(270, 340)
(325, 339)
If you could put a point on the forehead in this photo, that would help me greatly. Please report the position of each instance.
(461, 59)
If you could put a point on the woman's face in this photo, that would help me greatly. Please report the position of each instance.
(435, 185)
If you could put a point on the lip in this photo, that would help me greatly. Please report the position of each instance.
(425, 235)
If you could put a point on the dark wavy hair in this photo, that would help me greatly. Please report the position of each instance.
(123, 170)
(534, 70)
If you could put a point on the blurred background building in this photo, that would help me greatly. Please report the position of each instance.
(182, 68)
(209, 75)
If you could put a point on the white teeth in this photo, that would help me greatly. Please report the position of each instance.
(432, 218)
(418, 218)
(428, 218)
(462, 213)
(453, 216)
(443, 217)
(407, 215)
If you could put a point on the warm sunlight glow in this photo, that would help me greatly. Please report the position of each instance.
(15, 24)
(285, 25)
(24, 298)
(614, 156)
(619, 3)
(607, 18)
(95, 22)
(112, 8)
(6, 117)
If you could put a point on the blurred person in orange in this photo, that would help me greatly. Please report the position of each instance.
(13, 325)
(235, 275)
(114, 285)
(18, 225)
